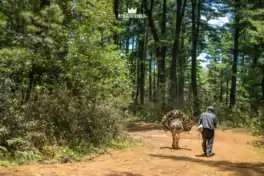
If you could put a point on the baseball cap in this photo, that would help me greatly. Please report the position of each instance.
(210, 108)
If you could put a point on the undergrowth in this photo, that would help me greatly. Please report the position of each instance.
(63, 154)
(259, 143)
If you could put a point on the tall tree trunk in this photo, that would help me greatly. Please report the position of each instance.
(34, 70)
(161, 63)
(221, 82)
(44, 3)
(163, 53)
(133, 43)
(163, 30)
(137, 83)
(262, 91)
(181, 70)
(138, 80)
(243, 67)
(244, 59)
(134, 68)
(127, 45)
(115, 9)
(175, 50)
(133, 71)
(235, 57)
(262, 103)
(195, 35)
(227, 92)
(132, 65)
(150, 77)
(143, 49)
(154, 85)
(215, 80)
(141, 71)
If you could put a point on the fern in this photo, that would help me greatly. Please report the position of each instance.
(3, 149)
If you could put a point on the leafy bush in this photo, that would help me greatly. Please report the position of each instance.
(56, 90)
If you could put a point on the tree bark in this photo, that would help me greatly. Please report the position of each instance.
(44, 3)
(141, 71)
(181, 70)
(154, 85)
(262, 91)
(143, 49)
(221, 82)
(195, 31)
(137, 80)
(163, 33)
(163, 55)
(215, 80)
(127, 45)
(137, 62)
(150, 78)
(175, 50)
(227, 88)
(160, 60)
(133, 43)
(235, 57)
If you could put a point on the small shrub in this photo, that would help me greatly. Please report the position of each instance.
(6, 163)
(18, 144)
(255, 125)
(37, 139)
(25, 156)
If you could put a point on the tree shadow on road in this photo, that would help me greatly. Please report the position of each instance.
(241, 168)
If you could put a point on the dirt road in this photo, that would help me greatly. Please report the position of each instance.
(233, 156)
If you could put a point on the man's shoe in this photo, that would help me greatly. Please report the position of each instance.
(209, 155)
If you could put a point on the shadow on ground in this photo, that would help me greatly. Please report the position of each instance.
(122, 174)
(181, 148)
(141, 127)
(3, 174)
(241, 169)
(203, 155)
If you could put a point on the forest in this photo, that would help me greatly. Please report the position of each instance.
(73, 71)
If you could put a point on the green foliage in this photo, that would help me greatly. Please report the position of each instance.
(151, 112)
(58, 91)
(3, 149)
(6, 163)
(255, 125)
(18, 144)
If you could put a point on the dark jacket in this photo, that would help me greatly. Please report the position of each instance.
(208, 120)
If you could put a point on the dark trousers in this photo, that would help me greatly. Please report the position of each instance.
(208, 140)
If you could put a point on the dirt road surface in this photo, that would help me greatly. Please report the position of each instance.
(233, 157)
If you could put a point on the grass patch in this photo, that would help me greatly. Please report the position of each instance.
(259, 142)
(258, 145)
(63, 154)
(6, 163)
(230, 126)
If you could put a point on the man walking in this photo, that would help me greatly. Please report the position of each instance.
(208, 122)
